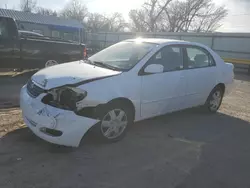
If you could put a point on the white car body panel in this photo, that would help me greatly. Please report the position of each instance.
(162, 93)
(151, 95)
(199, 89)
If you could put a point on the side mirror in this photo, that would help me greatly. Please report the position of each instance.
(154, 68)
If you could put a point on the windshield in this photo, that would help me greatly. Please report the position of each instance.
(123, 55)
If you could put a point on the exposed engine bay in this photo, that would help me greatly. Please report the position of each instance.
(67, 98)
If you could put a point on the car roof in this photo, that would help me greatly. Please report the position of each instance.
(158, 40)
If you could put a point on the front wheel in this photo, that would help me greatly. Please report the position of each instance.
(114, 122)
(214, 100)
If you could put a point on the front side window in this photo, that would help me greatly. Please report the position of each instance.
(170, 57)
(198, 58)
(123, 55)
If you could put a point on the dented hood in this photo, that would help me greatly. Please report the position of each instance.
(69, 73)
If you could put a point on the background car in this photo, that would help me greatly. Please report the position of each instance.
(24, 49)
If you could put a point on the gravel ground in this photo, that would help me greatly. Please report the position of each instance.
(183, 149)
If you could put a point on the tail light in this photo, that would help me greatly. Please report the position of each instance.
(85, 53)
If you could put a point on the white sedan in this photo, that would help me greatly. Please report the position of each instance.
(124, 83)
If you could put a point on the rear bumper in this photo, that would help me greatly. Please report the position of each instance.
(39, 117)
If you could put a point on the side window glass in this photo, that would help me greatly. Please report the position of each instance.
(169, 57)
(3, 29)
(158, 55)
(197, 58)
(211, 61)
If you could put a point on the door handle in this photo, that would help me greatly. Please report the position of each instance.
(1, 46)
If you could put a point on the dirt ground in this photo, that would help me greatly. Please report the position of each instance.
(186, 149)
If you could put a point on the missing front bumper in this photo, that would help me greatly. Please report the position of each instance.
(39, 117)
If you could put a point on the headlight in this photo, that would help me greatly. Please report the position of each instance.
(65, 97)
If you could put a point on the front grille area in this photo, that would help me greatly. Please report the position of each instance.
(33, 90)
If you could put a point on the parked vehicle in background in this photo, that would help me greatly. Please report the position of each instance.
(24, 49)
(124, 83)
(23, 33)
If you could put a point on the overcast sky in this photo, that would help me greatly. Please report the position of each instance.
(236, 21)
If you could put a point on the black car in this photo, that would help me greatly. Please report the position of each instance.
(24, 49)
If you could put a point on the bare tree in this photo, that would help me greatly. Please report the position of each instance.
(179, 16)
(27, 5)
(149, 16)
(208, 19)
(194, 15)
(74, 9)
(45, 11)
(155, 9)
(116, 22)
(97, 22)
(139, 23)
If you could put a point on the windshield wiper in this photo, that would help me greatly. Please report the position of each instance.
(101, 64)
(88, 61)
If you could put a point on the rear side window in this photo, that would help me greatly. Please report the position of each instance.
(198, 58)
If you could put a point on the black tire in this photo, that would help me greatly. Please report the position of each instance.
(114, 106)
(212, 105)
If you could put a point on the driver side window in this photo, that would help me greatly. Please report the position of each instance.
(170, 57)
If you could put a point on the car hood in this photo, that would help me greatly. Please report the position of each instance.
(70, 73)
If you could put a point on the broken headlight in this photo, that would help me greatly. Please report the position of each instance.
(65, 97)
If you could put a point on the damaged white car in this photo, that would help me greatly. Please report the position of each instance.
(127, 82)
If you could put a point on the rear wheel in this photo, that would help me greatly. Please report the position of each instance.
(50, 63)
(114, 123)
(214, 100)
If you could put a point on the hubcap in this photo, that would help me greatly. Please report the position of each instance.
(50, 63)
(216, 100)
(114, 123)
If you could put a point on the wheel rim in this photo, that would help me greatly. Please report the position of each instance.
(114, 123)
(50, 63)
(216, 100)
